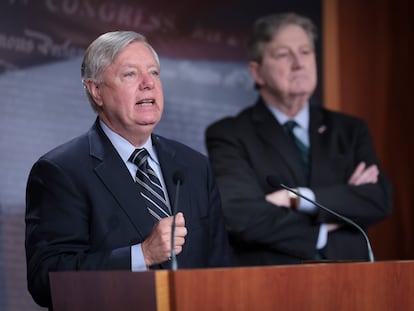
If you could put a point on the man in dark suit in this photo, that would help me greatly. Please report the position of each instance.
(91, 205)
(325, 155)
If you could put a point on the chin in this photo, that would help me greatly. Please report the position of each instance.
(148, 122)
(299, 91)
(302, 89)
(152, 118)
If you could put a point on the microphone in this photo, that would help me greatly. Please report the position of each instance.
(178, 181)
(273, 181)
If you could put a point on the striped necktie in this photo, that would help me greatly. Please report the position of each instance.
(150, 185)
(302, 148)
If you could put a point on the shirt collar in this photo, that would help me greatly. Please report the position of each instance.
(124, 147)
(302, 118)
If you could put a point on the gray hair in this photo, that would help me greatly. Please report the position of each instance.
(103, 51)
(267, 26)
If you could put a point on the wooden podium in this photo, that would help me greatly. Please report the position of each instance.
(331, 286)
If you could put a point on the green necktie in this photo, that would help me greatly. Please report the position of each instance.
(302, 148)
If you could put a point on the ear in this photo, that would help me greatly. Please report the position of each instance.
(254, 68)
(95, 91)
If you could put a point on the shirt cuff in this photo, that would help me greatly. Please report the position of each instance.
(137, 258)
(304, 205)
(322, 237)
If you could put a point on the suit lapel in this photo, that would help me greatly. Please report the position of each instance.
(112, 171)
(272, 133)
(170, 164)
(319, 132)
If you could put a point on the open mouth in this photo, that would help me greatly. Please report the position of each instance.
(146, 102)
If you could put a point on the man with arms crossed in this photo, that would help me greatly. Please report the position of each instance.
(325, 155)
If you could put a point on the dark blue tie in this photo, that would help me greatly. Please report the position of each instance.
(150, 185)
(302, 148)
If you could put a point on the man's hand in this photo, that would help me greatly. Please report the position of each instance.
(280, 198)
(333, 227)
(364, 175)
(157, 247)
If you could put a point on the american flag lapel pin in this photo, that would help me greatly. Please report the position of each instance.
(322, 129)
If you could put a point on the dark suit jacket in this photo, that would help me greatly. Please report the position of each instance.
(244, 150)
(84, 210)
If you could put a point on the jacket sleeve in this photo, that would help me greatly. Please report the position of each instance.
(365, 204)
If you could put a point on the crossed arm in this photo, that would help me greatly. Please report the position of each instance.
(362, 174)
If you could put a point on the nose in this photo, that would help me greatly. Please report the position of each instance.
(147, 82)
(297, 60)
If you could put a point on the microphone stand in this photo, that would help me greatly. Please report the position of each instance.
(347, 220)
(173, 255)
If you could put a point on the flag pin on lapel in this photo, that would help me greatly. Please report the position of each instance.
(322, 129)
